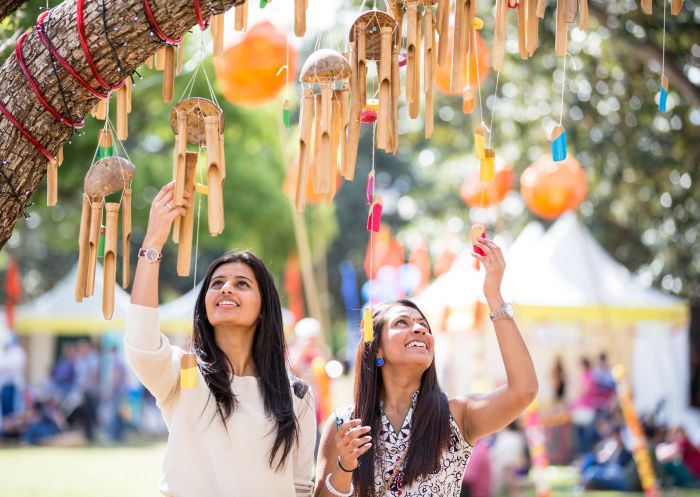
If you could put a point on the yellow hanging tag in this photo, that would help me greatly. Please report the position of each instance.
(201, 188)
(479, 143)
(188, 371)
(367, 330)
(488, 165)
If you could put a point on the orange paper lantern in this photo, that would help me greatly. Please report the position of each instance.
(476, 193)
(444, 73)
(551, 188)
(247, 70)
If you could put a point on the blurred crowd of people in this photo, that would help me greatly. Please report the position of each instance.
(83, 396)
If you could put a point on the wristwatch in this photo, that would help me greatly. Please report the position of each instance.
(150, 254)
(506, 311)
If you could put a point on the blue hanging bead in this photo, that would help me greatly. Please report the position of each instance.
(558, 143)
(663, 93)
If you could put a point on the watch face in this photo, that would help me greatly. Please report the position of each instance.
(508, 309)
(151, 255)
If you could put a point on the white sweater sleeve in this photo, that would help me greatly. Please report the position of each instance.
(149, 353)
(304, 457)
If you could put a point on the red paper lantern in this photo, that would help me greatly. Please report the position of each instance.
(551, 188)
(247, 70)
(444, 73)
(476, 193)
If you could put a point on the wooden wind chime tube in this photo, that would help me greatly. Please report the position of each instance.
(215, 177)
(469, 29)
(316, 157)
(126, 238)
(99, 111)
(429, 71)
(533, 27)
(180, 57)
(52, 178)
(583, 14)
(300, 17)
(110, 259)
(522, 29)
(499, 34)
(384, 118)
(325, 145)
(395, 94)
(414, 106)
(123, 113)
(541, 7)
(336, 130)
(305, 150)
(169, 74)
(241, 17)
(412, 61)
(179, 167)
(457, 76)
(159, 59)
(184, 248)
(443, 23)
(355, 106)
(396, 11)
(362, 62)
(561, 35)
(217, 33)
(93, 243)
(83, 249)
(676, 6)
(571, 9)
(646, 6)
(344, 124)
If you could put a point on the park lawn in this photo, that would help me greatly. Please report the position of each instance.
(132, 471)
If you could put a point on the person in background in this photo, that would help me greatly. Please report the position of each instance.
(114, 392)
(559, 381)
(305, 349)
(87, 387)
(583, 413)
(13, 362)
(508, 457)
(477, 477)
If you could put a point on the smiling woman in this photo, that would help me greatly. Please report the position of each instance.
(415, 441)
(239, 424)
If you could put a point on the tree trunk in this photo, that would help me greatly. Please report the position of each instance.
(130, 34)
(8, 7)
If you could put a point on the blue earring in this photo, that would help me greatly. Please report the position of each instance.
(380, 361)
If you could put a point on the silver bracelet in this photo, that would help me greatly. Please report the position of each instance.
(335, 492)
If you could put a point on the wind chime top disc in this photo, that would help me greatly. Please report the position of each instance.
(196, 109)
(374, 21)
(325, 66)
(107, 176)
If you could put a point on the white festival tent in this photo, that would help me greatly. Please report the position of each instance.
(572, 299)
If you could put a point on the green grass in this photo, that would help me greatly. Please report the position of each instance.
(134, 471)
(81, 472)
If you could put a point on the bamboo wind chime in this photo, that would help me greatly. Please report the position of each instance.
(375, 35)
(323, 119)
(170, 64)
(108, 175)
(199, 122)
(52, 178)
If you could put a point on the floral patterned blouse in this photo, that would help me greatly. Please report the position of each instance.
(391, 446)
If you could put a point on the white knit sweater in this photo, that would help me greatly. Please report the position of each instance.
(203, 458)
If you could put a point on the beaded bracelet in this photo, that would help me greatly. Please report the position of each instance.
(338, 493)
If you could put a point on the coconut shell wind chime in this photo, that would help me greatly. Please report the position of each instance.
(323, 121)
(374, 36)
(109, 175)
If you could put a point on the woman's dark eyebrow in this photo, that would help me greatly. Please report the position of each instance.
(238, 276)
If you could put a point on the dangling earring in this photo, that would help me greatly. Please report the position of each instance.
(380, 361)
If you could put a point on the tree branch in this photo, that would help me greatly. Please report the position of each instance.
(645, 51)
(131, 35)
(9, 6)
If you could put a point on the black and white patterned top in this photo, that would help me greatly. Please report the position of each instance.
(391, 446)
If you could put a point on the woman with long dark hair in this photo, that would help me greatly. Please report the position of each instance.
(403, 436)
(239, 425)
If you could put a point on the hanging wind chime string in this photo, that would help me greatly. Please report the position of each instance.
(563, 85)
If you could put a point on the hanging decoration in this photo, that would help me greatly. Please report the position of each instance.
(551, 188)
(300, 7)
(676, 6)
(374, 36)
(109, 174)
(663, 89)
(477, 193)
(248, 72)
(321, 123)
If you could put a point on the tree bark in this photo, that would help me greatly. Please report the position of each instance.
(129, 32)
(8, 7)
